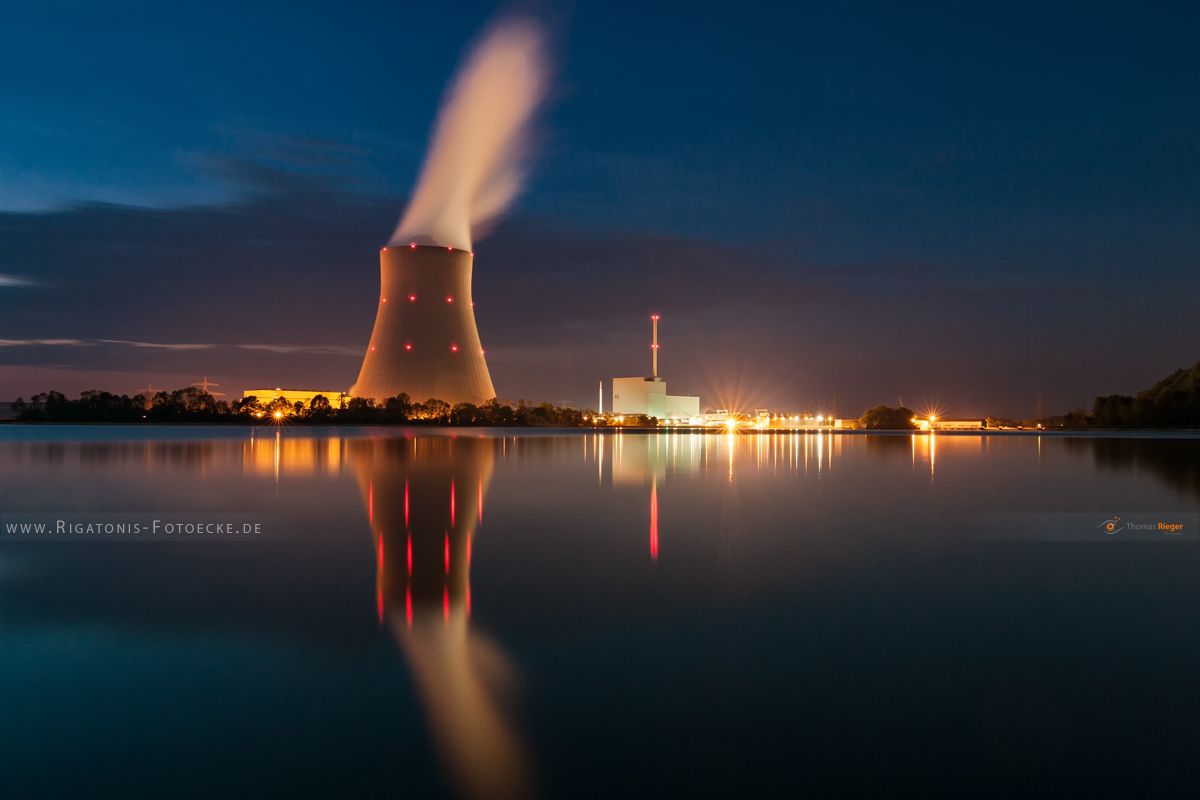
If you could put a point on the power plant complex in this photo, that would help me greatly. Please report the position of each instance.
(647, 395)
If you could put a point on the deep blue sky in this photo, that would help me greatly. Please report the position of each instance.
(966, 204)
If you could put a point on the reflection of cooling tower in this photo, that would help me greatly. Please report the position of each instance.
(424, 499)
(425, 342)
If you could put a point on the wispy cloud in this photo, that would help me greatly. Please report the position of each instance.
(314, 349)
(44, 343)
(159, 345)
(13, 280)
(311, 349)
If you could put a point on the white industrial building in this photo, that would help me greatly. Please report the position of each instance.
(648, 396)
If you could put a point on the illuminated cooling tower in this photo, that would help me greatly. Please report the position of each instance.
(425, 342)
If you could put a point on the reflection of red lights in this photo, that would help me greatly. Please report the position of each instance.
(408, 547)
(379, 580)
(408, 604)
(468, 599)
(371, 501)
(446, 603)
(481, 501)
(406, 504)
(446, 552)
(451, 504)
(654, 521)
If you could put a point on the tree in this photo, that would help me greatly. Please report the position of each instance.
(319, 408)
(398, 408)
(433, 410)
(888, 418)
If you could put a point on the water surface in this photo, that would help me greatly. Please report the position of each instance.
(478, 613)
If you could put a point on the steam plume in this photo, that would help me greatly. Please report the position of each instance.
(474, 167)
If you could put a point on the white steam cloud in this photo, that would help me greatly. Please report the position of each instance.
(475, 165)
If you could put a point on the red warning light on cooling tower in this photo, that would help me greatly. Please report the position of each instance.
(407, 346)
(449, 299)
(412, 298)
(453, 348)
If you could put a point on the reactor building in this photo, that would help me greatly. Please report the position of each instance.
(425, 342)
(647, 395)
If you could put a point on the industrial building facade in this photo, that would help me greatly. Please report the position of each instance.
(647, 396)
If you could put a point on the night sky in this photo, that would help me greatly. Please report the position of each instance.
(832, 206)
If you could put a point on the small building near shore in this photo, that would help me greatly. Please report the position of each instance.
(293, 396)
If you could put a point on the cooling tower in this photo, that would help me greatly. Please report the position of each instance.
(425, 342)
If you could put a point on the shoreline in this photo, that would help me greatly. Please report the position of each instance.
(494, 430)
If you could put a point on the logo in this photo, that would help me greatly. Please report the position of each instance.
(1115, 525)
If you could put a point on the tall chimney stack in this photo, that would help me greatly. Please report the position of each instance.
(654, 347)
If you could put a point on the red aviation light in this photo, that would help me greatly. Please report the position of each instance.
(449, 249)
(449, 299)
(372, 348)
(412, 298)
(412, 245)
(453, 348)
(407, 346)
(383, 299)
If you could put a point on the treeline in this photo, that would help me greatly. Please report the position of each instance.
(193, 405)
(1173, 402)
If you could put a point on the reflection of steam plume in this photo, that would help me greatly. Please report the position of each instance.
(473, 168)
(424, 499)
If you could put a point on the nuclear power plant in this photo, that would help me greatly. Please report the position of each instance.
(425, 342)
(647, 395)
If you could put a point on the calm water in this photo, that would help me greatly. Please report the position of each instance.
(598, 615)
